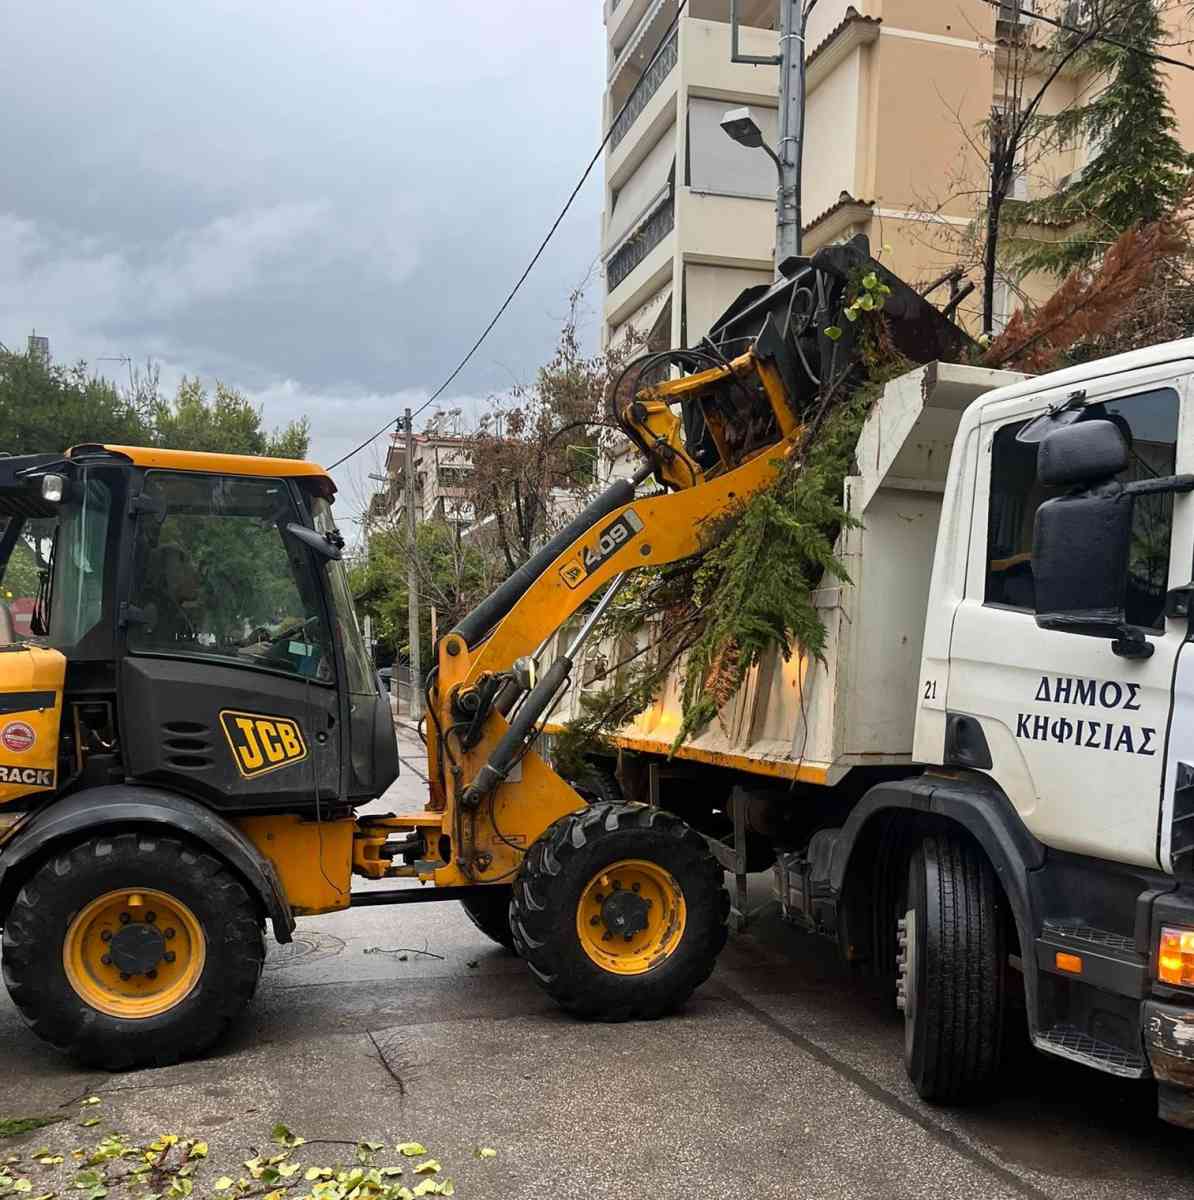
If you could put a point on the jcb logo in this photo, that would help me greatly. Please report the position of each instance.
(262, 743)
(609, 541)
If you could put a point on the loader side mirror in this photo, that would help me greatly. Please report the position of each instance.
(1082, 541)
(316, 541)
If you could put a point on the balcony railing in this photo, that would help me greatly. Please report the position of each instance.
(659, 70)
(644, 239)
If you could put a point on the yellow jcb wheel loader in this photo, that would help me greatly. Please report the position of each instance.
(189, 719)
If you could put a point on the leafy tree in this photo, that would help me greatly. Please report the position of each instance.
(226, 422)
(1139, 170)
(535, 460)
(452, 576)
(46, 408)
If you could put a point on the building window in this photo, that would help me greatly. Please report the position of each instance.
(718, 164)
(1148, 420)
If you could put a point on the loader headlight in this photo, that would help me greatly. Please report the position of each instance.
(524, 672)
(1175, 957)
(53, 488)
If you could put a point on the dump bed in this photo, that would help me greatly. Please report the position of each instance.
(814, 721)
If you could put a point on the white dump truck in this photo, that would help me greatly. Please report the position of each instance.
(985, 789)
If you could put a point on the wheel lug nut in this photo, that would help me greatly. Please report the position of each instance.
(169, 933)
(169, 956)
(151, 917)
(634, 887)
(594, 920)
(125, 977)
(106, 960)
(627, 936)
(125, 918)
(106, 936)
(151, 973)
(599, 898)
(606, 936)
(617, 885)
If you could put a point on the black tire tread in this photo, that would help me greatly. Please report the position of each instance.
(963, 994)
(489, 911)
(532, 912)
(93, 1038)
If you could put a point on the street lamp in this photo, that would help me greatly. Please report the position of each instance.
(742, 127)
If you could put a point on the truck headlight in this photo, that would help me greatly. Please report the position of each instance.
(1175, 957)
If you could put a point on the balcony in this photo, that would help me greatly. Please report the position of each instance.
(645, 238)
(659, 70)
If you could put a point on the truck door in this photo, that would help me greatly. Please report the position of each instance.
(1076, 732)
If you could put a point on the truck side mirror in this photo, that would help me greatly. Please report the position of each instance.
(1082, 541)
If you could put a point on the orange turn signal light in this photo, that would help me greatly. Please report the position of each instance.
(1175, 957)
(1069, 962)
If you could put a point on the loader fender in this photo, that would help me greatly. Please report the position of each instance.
(123, 806)
(980, 807)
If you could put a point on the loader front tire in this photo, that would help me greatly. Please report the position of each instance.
(620, 912)
(951, 972)
(132, 950)
(489, 911)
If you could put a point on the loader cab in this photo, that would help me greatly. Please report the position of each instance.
(202, 607)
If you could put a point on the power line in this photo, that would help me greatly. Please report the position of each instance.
(396, 421)
(1026, 15)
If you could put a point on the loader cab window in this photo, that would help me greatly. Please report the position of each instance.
(52, 590)
(361, 679)
(1148, 420)
(215, 576)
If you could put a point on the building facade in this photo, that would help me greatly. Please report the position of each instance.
(442, 464)
(898, 93)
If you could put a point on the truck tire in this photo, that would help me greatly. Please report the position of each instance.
(132, 950)
(597, 784)
(489, 911)
(620, 912)
(951, 972)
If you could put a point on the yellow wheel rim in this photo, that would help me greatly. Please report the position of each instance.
(134, 953)
(631, 917)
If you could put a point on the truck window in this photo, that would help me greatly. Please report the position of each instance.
(1149, 422)
(215, 577)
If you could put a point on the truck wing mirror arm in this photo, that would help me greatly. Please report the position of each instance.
(1161, 485)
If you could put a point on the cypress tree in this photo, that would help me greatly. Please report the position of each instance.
(1137, 169)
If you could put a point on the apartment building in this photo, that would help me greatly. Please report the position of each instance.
(898, 93)
(441, 466)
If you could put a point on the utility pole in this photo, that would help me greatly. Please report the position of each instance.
(793, 22)
(412, 576)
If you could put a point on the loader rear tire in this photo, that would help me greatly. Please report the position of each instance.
(132, 950)
(489, 911)
(620, 912)
(951, 972)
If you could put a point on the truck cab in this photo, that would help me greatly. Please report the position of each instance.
(1081, 723)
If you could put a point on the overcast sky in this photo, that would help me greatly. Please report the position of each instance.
(320, 203)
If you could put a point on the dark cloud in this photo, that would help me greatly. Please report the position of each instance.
(321, 203)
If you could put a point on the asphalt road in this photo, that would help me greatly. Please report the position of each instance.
(782, 1078)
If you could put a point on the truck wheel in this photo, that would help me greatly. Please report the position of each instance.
(489, 911)
(132, 950)
(620, 912)
(951, 972)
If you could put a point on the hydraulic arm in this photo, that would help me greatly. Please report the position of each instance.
(712, 435)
